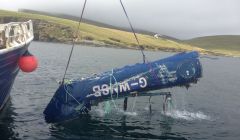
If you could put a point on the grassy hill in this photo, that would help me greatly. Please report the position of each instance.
(53, 29)
(85, 20)
(228, 44)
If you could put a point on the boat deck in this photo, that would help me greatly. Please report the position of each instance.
(15, 37)
(15, 33)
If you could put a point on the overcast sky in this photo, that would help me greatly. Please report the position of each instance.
(178, 18)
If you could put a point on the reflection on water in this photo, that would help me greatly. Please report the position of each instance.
(6, 122)
(111, 128)
(208, 110)
(177, 114)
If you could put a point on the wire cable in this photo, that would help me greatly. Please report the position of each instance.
(73, 42)
(141, 48)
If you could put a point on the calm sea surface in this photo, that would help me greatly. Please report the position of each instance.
(208, 110)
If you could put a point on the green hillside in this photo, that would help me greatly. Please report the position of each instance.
(54, 29)
(229, 44)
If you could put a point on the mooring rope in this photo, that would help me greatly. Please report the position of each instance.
(73, 42)
(133, 31)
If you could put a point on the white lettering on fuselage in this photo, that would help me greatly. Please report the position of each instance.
(105, 89)
(142, 82)
(124, 87)
(96, 90)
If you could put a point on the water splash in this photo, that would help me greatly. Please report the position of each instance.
(100, 112)
(128, 113)
(146, 108)
(106, 108)
(186, 115)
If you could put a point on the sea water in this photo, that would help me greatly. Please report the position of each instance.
(209, 109)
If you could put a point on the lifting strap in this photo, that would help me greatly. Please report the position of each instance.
(140, 47)
(73, 41)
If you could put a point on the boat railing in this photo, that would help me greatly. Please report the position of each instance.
(15, 33)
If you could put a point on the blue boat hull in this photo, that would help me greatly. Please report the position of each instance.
(8, 71)
(76, 97)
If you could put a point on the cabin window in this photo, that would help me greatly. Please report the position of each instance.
(2, 44)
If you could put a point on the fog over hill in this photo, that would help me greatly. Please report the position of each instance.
(181, 19)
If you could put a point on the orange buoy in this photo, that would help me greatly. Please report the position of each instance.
(28, 63)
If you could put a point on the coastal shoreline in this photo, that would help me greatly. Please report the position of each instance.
(101, 44)
(58, 30)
